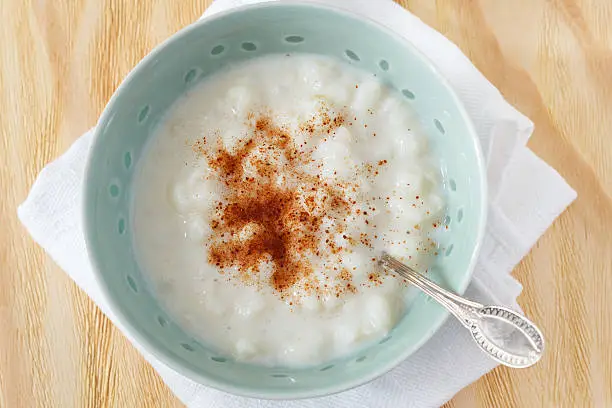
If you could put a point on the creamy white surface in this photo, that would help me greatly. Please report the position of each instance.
(173, 201)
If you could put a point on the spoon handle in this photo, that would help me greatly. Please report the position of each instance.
(506, 336)
(463, 309)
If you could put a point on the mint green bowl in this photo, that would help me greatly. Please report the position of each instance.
(205, 47)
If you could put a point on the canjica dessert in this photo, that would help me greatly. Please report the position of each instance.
(265, 198)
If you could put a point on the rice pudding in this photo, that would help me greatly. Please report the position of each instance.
(264, 199)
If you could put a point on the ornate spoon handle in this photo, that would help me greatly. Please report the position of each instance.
(505, 335)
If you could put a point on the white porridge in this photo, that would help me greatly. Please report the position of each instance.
(265, 198)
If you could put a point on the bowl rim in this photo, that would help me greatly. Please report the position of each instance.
(162, 353)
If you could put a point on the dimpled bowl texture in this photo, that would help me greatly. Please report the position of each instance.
(206, 47)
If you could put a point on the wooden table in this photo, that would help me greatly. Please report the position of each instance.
(61, 60)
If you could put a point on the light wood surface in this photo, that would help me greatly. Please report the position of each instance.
(61, 60)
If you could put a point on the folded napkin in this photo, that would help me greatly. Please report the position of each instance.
(525, 196)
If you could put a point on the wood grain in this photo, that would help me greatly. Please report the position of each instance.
(61, 60)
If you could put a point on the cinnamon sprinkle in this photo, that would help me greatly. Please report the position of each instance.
(273, 216)
(260, 221)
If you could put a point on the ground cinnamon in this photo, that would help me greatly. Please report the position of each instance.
(263, 222)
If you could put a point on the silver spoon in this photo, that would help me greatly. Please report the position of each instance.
(505, 335)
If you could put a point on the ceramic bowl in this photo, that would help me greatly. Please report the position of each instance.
(205, 47)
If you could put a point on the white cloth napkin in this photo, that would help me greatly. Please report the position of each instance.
(526, 195)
